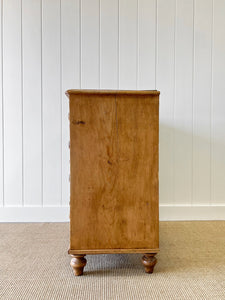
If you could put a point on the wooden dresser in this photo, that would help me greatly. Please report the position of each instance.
(113, 174)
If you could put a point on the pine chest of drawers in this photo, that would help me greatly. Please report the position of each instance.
(113, 174)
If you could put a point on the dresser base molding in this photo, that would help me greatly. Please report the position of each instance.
(112, 251)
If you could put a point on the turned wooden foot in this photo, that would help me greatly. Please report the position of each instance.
(149, 262)
(78, 262)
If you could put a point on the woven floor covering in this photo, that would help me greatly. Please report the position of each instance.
(34, 265)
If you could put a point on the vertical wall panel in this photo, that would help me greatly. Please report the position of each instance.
(70, 46)
(49, 46)
(165, 84)
(51, 102)
(109, 44)
(1, 119)
(218, 109)
(202, 102)
(182, 147)
(31, 45)
(12, 95)
(146, 44)
(128, 44)
(90, 44)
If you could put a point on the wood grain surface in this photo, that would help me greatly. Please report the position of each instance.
(114, 171)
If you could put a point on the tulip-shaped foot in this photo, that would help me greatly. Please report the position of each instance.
(149, 261)
(78, 262)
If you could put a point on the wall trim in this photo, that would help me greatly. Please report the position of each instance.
(34, 214)
(191, 213)
(61, 213)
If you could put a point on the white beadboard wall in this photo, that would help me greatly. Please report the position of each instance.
(49, 46)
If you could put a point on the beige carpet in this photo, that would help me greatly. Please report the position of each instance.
(34, 265)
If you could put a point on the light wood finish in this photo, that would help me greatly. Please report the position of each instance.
(114, 171)
(112, 251)
(112, 92)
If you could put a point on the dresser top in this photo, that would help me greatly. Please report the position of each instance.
(112, 92)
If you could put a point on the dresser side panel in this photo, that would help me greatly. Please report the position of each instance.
(114, 172)
(137, 181)
(93, 170)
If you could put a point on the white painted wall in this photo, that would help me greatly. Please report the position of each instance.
(48, 46)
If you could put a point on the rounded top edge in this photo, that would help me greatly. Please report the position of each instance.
(112, 92)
